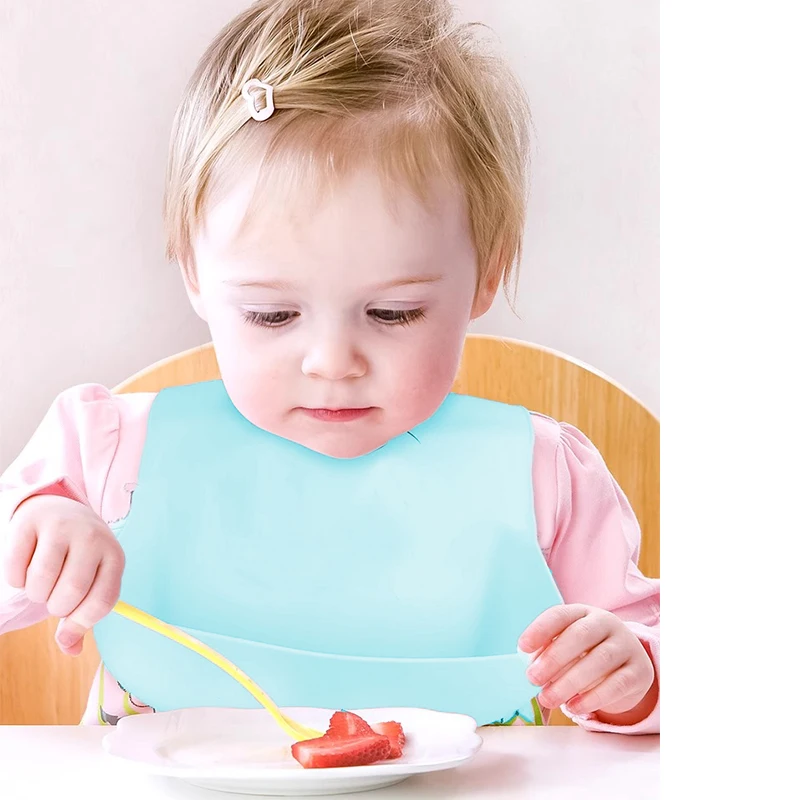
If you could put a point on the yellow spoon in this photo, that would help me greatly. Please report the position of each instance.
(297, 731)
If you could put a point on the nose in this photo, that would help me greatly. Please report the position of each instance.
(333, 357)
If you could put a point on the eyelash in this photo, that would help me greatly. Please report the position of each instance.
(397, 316)
(278, 319)
(269, 319)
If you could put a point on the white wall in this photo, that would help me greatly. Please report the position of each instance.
(590, 280)
(87, 93)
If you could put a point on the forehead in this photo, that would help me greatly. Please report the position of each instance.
(381, 168)
(361, 219)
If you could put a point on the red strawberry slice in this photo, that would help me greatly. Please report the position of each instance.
(394, 732)
(345, 723)
(354, 751)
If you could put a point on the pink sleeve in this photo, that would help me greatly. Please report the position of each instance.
(590, 538)
(73, 453)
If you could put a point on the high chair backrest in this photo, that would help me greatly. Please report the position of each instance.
(40, 686)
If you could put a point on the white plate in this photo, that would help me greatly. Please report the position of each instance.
(244, 751)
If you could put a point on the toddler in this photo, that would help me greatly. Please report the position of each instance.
(346, 192)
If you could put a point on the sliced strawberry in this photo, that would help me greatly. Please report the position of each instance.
(345, 723)
(354, 751)
(394, 732)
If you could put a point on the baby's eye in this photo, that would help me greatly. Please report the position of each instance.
(393, 316)
(269, 319)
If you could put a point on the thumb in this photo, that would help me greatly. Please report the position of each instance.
(69, 637)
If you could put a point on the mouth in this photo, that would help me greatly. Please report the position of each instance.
(337, 414)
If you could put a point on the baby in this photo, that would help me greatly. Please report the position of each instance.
(346, 192)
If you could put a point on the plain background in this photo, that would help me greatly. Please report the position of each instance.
(87, 94)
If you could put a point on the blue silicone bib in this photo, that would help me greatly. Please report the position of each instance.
(400, 578)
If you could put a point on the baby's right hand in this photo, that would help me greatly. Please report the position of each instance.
(62, 554)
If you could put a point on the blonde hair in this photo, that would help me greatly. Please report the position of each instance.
(396, 81)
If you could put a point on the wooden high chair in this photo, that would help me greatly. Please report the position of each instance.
(623, 430)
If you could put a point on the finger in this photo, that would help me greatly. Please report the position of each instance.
(579, 638)
(69, 637)
(77, 576)
(21, 547)
(97, 604)
(44, 569)
(618, 692)
(553, 678)
(548, 625)
(584, 674)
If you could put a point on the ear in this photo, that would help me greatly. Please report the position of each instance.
(484, 296)
(189, 275)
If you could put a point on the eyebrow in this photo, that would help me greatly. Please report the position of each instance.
(284, 286)
(279, 285)
(410, 281)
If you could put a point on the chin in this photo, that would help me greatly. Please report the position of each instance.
(340, 446)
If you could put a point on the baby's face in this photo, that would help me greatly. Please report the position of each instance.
(339, 326)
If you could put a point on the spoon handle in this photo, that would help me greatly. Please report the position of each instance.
(297, 731)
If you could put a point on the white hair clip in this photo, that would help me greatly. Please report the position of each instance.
(250, 91)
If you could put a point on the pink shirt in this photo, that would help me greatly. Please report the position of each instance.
(90, 444)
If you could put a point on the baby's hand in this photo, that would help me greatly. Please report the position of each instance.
(61, 553)
(590, 660)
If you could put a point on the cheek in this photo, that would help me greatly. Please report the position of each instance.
(254, 387)
(252, 376)
(426, 373)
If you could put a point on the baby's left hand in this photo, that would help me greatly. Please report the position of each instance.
(589, 660)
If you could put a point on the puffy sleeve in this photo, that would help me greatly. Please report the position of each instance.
(72, 453)
(590, 538)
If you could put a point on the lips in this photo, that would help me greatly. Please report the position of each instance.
(337, 414)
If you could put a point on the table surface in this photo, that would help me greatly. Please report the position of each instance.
(558, 763)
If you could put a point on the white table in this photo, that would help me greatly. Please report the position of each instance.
(558, 763)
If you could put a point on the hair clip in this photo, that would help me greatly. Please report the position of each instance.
(255, 87)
